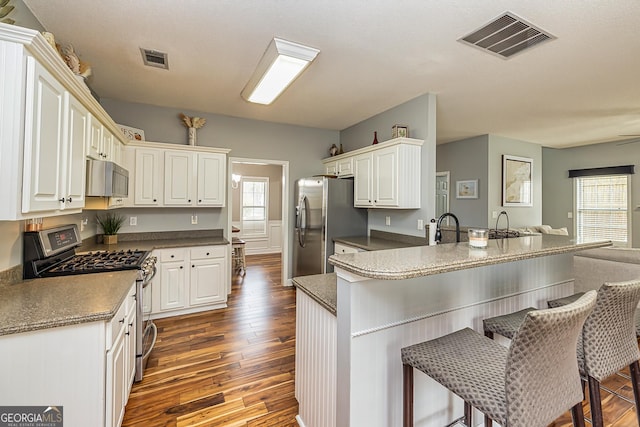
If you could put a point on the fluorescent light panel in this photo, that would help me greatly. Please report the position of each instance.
(281, 64)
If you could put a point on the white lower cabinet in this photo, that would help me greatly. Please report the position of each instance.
(85, 368)
(189, 280)
(341, 248)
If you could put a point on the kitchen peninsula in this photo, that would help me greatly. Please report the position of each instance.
(390, 299)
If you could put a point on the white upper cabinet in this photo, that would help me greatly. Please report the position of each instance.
(179, 178)
(147, 177)
(386, 175)
(167, 176)
(211, 179)
(48, 124)
(56, 131)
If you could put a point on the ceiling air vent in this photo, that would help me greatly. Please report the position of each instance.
(153, 58)
(506, 35)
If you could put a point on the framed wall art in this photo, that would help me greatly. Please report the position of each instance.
(517, 181)
(400, 131)
(467, 189)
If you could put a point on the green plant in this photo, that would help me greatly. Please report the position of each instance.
(110, 223)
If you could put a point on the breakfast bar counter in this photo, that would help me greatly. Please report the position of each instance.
(390, 299)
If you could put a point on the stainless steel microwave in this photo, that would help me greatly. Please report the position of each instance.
(106, 179)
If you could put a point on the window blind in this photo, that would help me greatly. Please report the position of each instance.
(602, 208)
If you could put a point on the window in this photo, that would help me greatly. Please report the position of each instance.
(602, 208)
(254, 202)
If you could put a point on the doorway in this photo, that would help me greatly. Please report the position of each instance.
(442, 193)
(258, 200)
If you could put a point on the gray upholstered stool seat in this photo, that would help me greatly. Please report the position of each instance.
(608, 342)
(529, 384)
(505, 325)
(477, 373)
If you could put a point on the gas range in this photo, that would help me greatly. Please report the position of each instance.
(52, 252)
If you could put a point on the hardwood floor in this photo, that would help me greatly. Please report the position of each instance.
(229, 367)
(235, 366)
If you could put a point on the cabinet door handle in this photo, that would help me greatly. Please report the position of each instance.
(69, 200)
(207, 253)
(193, 266)
(172, 256)
(199, 200)
(121, 320)
(189, 200)
(155, 200)
(61, 200)
(180, 267)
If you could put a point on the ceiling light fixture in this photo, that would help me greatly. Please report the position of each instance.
(281, 64)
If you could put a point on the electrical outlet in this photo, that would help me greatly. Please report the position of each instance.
(194, 219)
(569, 215)
(420, 224)
(83, 223)
(387, 220)
(133, 220)
(494, 214)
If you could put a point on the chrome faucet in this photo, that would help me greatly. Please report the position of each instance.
(498, 219)
(439, 232)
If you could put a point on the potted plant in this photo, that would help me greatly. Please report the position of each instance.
(110, 224)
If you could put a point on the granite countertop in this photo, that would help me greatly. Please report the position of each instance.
(369, 243)
(406, 263)
(149, 245)
(320, 287)
(381, 240)
(60, 301)
(28, 305)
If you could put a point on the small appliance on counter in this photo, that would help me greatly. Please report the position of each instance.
(52, 252)
(324, 210)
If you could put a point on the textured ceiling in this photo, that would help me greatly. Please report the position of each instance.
(581, 88)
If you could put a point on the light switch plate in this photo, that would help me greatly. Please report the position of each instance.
(387, 220)
(133, 220)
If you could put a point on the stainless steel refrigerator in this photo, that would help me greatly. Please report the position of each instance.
(324, 210)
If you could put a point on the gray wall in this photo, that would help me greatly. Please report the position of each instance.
(420, 115)
(274, 173)
(23, 16)
(558, 187)
(467, 159)
(518, 216)
(458, 158)
(302, 147)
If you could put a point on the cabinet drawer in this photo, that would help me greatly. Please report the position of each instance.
(167, 255)
(116, 325)
(340, 248)
(205, 252)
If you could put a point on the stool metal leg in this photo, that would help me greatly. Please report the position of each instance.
(634, 370)
(468, 414)
(596, 403)
(577, 415)
(407, 409)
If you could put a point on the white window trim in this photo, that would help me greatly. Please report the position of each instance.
(628, 243)
(266, 207)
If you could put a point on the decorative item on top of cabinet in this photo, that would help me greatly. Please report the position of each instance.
(400, 131)
(333, 150)
(341, 150)
(132, 134)
(375, 138)
(192, 123)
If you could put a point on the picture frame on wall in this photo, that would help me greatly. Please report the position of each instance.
(467, 189)
(517, 181)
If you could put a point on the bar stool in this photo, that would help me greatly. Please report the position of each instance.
(529, 384)
(608, 342)
(239, 260)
